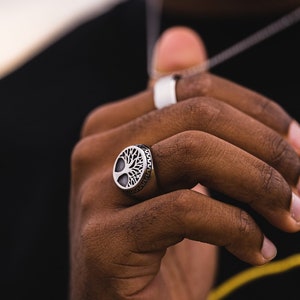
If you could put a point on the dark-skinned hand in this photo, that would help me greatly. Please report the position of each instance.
(220, 135)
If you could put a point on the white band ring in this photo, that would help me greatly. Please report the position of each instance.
(165, 91)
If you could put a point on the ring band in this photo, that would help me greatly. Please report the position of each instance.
(165, 91)
(133, 169)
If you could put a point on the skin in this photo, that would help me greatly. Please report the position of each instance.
(162, 245)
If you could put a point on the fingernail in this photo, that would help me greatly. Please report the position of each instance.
(294, 136)
(295, 207)
(268, 249)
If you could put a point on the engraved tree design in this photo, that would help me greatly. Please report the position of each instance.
(129, 167)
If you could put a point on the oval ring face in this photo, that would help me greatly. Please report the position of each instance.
(132, 168)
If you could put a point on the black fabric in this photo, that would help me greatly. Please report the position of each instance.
(43, 105)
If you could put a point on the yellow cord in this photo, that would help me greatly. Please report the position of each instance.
(254, 273)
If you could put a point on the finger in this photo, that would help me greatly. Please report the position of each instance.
(190, 157)
(181, 161)
(216, 118)
(251, 103)
(255, 105)
(177, 49)
(154, 225)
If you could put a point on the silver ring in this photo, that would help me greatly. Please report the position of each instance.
(133, 169)
(164, 91)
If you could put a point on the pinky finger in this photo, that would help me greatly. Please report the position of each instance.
(165, 220)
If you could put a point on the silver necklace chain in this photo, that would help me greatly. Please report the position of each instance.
(153, 13)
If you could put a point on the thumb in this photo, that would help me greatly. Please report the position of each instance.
(177, 49)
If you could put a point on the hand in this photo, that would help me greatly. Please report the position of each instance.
(221, 135)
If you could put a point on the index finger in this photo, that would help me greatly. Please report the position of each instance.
(254, 104)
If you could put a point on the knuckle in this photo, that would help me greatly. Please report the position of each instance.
(90, 151)
(87, 236)
(181, 206)
(180, 200)
(246, 239)
(88, 123)
(90, 195)
(87, 197)
(189, 147)
(207, 107)
(273, 191)
(201, 84)
(285, 158)
(273, 181)
(197, 85)
(88, 232)
(262, 104)
(185, 144)
(175, 208)
(280, 150)
(186, 148)
(95, 121)
(264, 107)
(269, 178)
(94, 242)
(244, 223)
(99, 234)
(275, 188)
(81, 153)
(85, 159)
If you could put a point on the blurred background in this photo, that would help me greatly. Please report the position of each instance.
(27, 27)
